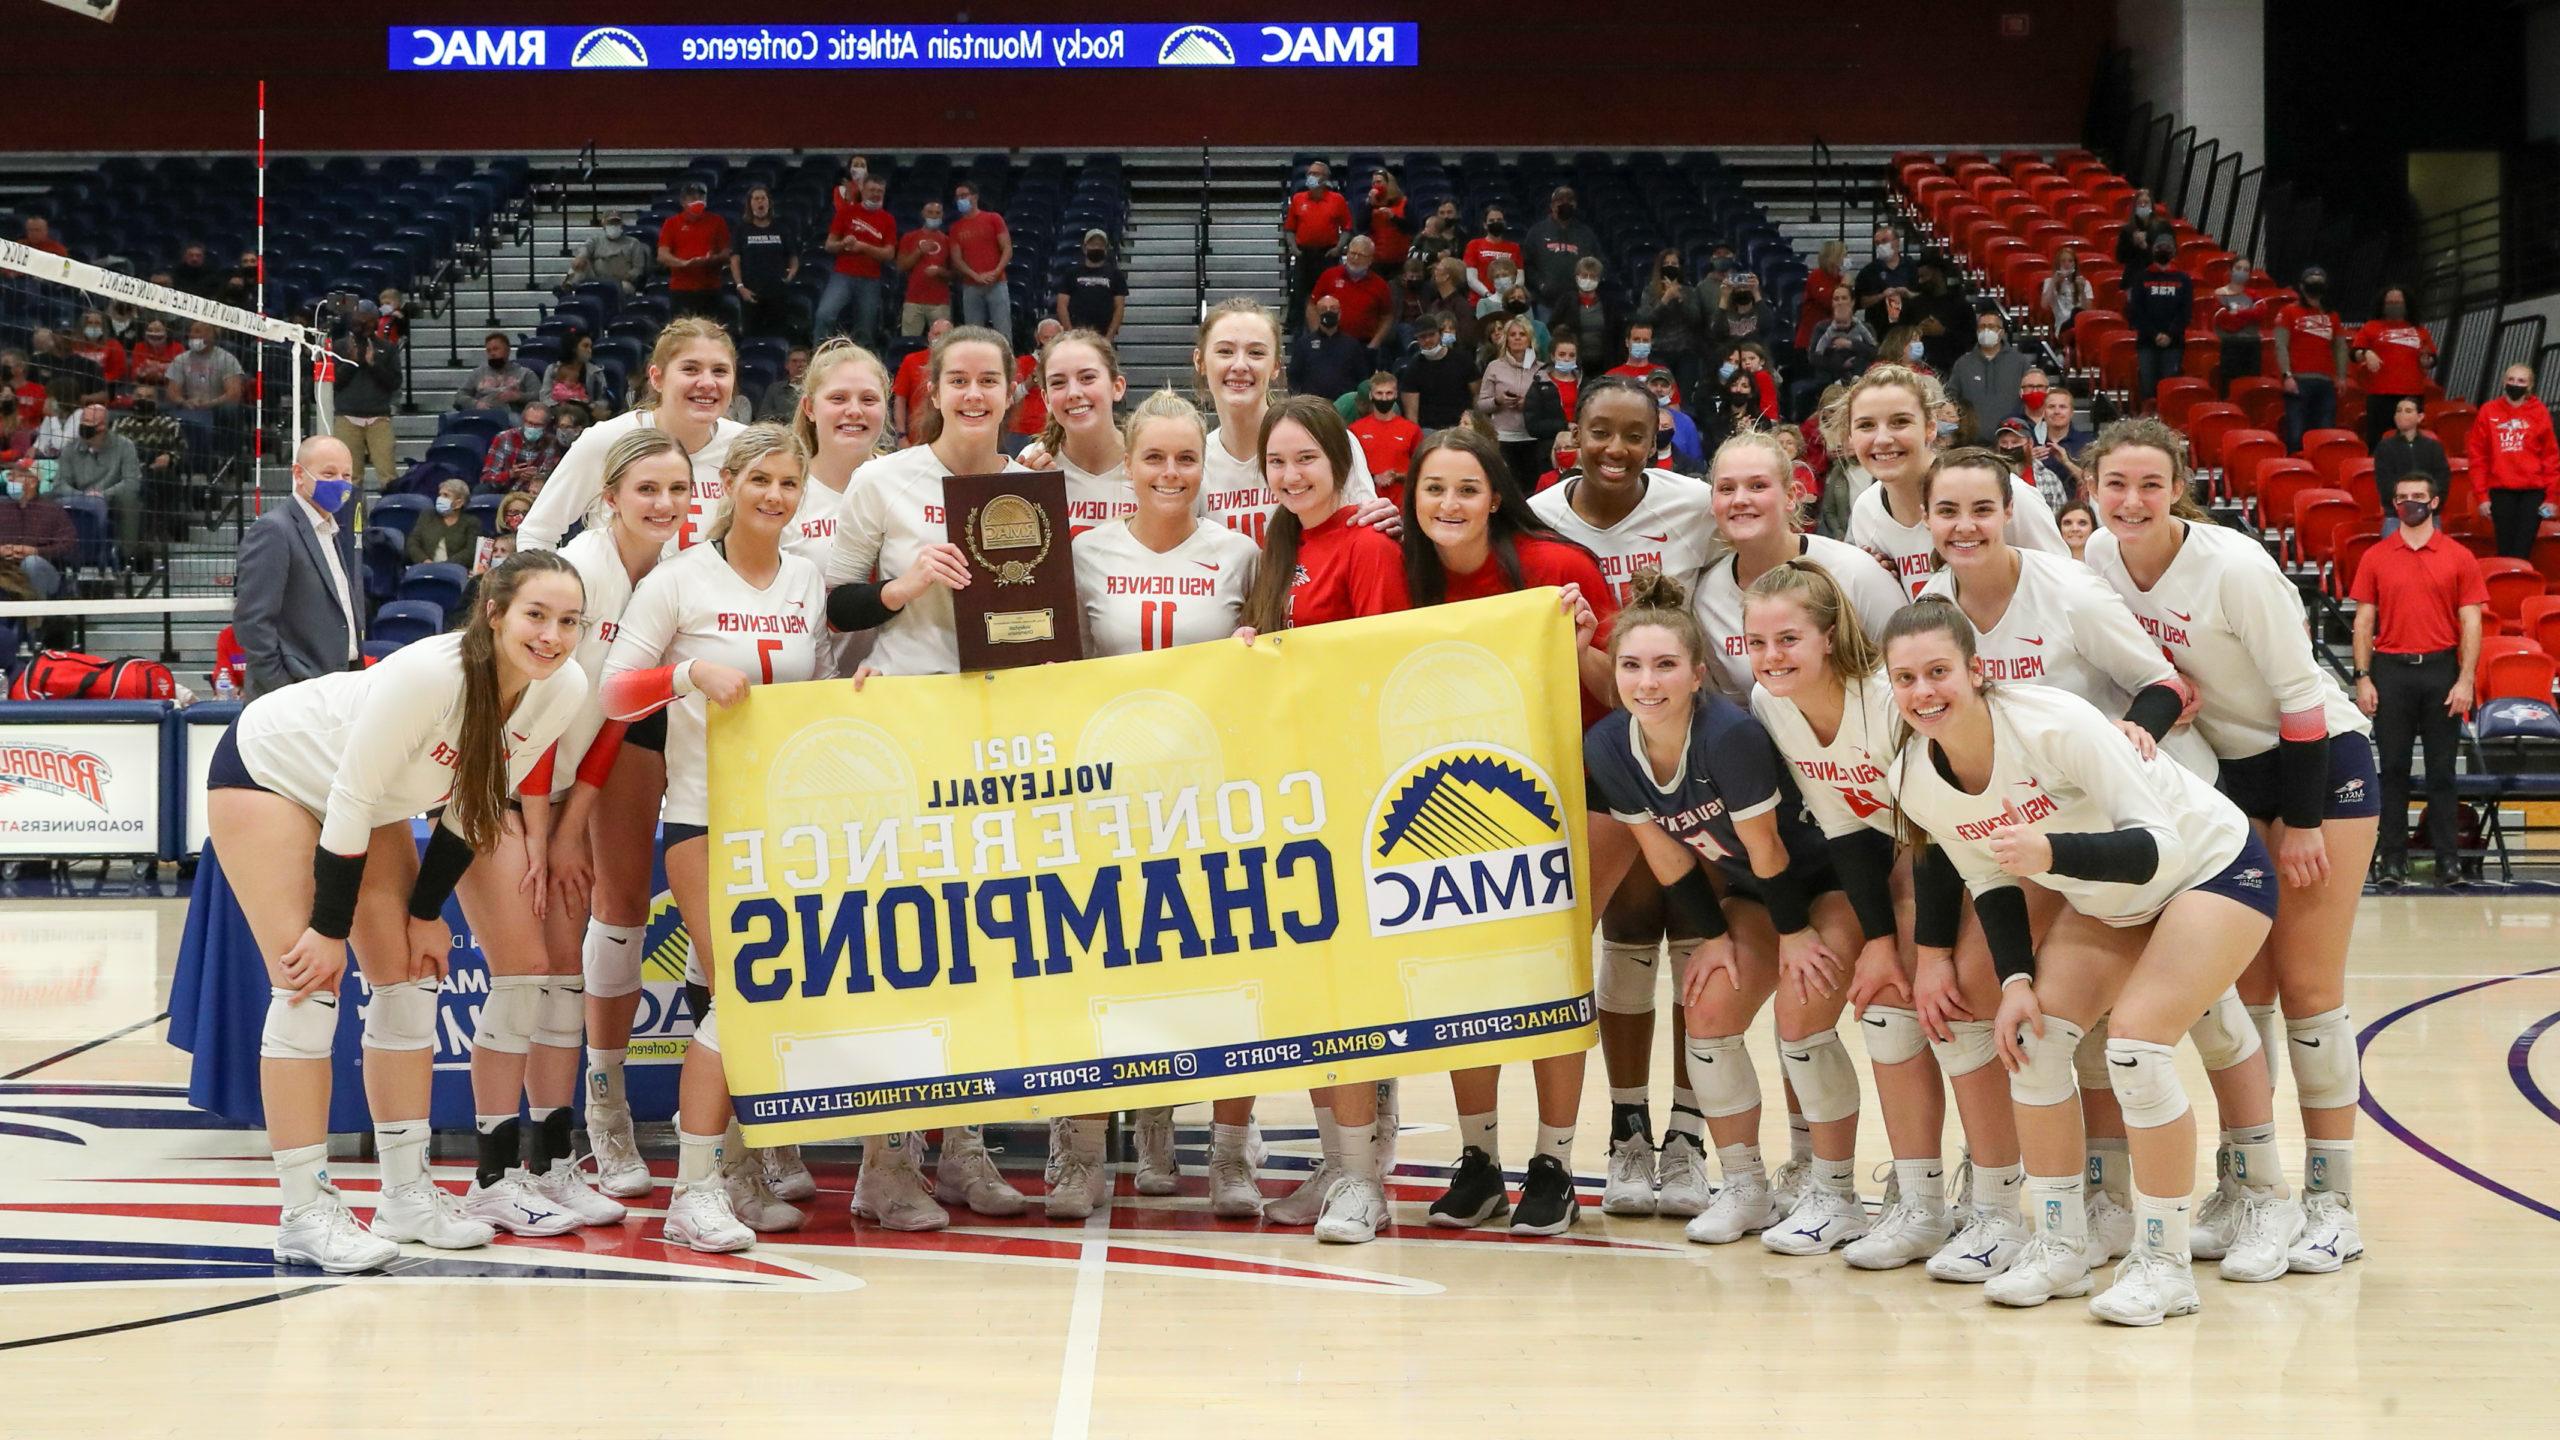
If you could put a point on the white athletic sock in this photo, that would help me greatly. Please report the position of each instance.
(1328, 1134)
(697, 1157)
(1483, 1132)
(1924, 1182)
(539, 1113)
(488, 1124)
(2160, 1225)
(1631, 1095)
(2254, 1161)
(1741, 1163)
(2329, 1167)
(298, 1173)
(2270, 1023)
(1995, 1187)
(401, 1148)
(1686, 1118)
(1225, 1140)
(2110, 1168)
(1836, 1176)
(1359, 1151)
(1799, 1138)
(1556, 1140)
(604, 1077)
(2055, 1207)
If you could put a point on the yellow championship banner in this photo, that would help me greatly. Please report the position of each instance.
(1336, 855)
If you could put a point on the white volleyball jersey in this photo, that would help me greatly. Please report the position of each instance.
(1232, 491)
(892, 510)
(1908, 548)
(812, 537)
(1097, 499)
(609, 589)
(1138, 599)
(569, 497)
(361, 748)
(2232, 624)
(1671, 529)
(695, 607)
(1847, 783)
(2060, 767)
(1718, 604)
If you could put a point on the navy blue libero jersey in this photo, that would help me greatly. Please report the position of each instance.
(1730, 772)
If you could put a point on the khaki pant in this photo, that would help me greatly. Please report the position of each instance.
(915, 319)
(369, 443)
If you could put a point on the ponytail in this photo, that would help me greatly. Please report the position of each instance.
(478, 810)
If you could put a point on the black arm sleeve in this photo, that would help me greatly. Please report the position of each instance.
(2302, 781)
(1937, 893)
(335, 880)
(2156, 708)
(1693, 908)
(1865, 863)
(1783, 895)
(855, 605)
(2003, 913)
(2126, 857)
(439, 870)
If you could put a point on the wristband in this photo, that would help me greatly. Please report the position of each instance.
(1865, 862)
(682, 680)
(2156, 708)
(2003, 913)
(1782, 895)
(335, 880)
(2302, 782)
(439, 870)
(1937, 894)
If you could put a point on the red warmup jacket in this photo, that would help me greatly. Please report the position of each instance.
(2512, 448)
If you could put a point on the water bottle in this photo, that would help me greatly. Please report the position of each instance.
(223, 689)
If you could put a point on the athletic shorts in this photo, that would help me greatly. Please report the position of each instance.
(2250, 878)
(2355, 783)
(227, 772)
(672, 834)
(1817, 878)
(649, 732)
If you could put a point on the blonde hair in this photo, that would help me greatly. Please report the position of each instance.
(1752, 437)
(1817, 591)
(929, 429)
(1922, 387)
(1162, 405)
(1225, 309)
(836, 352)
(755, 443)
(1656, 599)
(1053, 431)
(672, 341)
(2150, 432)
(629, 449)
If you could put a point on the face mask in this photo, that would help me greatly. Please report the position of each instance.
(1986, 338)
(444, 505)
(1567, 367)
(933, 222)
(2518, 392)
(2314, 289)
(1915, 350)
(1328, 320)
(195, 344)
(1095, 254)
(613, 232)
(2141, 212)
(1741, 300)
(497, 362)
(2239, 279)
(155, 341)
(330, 494)
(1356, 272)
(1495, 228)
(1448, 338)
(2395, 312)
(144, 405)
(2414, 513)
(2031, 399)
(2164, 256)
(1567, 211)
(1886, 253)
(1383, 404)
(696, 207)
(1946, 429)
(968, 206)
(91, 432)
(1587, 284)
(1670, 272)
(858, 174)
(1726, 370)
(1640, 350)
(569, 435)
(1315, 182)
(93, 331)
(533, 432)
(1516, 306)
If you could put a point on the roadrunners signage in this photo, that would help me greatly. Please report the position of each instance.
(80, 789)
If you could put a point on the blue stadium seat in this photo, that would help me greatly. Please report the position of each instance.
(399, 511)
(464, 451)
(487, 424)
(386, 554)
(484, 508)
(439, 584)
(403, 621)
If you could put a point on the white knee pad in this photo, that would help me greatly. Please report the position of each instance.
(2090, 1060)
(706, 1032)
(1628, 978)
(508, 1016)
(308, 1031)
(1826, 1083)
(560, 1021)
(2225, 1036)
(1893, 1036)
(1968, 1049)
(402, 1017)
(2269, 1024)
(2325, 1065)
(697, 965)
(2146, 1077)
(2046, 1078)
(1721, 1076)
(612, 956)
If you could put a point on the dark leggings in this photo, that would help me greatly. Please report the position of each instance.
(2516, 517)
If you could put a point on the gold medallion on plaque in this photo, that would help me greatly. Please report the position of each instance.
(1009, 522)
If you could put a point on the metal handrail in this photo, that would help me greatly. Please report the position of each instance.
(1200, 240)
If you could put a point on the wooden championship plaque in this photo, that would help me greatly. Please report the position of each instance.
(1020, 607)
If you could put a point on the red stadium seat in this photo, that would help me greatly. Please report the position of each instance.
(2202, 358)
(2540, 619)
(2459, 502)
(2356, 478)
(2261, 395)
(2117, 368)
(2350, 558)
(2511, 583)
(2244, 453)
(2450, 422)
(2085, 323)
(2180, 394)
(2330, 450)
(2512, 667)
(2546, 555)
(2207, 425)
(2320, 517)
(2279, 481)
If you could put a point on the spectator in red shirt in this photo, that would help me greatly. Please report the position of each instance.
(1496, 240)
(1316, 220)
(99, 348)
(1386, 222)
(924, 257)
(983, 248)
(1386, 438)
(1830, 271)
(2418, 602)
(2516, 462)
(1640, 363)
(1030, 400)
(2396, 353)
(907, 394)
(39, 233)
(2240, 319)
(2311, 353)
(1368, 302)
(693, 247)
(863, 237)
(1564, 362)
(148, 362)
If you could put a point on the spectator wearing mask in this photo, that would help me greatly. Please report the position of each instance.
(1367, 303)
(511, 513)
(1316, 219)
(1587, 314)
(909, 397)
(2408, 450)
(1480, 252)
(1741, 320)
(762, 267)
(1754, 360)
(2142, 234)
(522, 455)
(924, 257)
(61, 425)
(205, 386)
(2015, 440)
(2239, 321)
(1564, 365)
(1505, 293)
(1095, 295)
(1555, 246)
(2515, 462)
(1679, 441)
(1447, 292)
(1642, 363)
(981, 251)
(1328, 360)
(1502, 395)
(1437, 385)
(193, 274)
(450, 536)
(1440, 235)
(294, 599)
(1729, 406)
(573, 376)
(1902, 345)
(159, 446)
(863, 237)
(1840, 350)
(1676, 313)
(1830, 274)
(1387, 436)
(2311, 353)
(612, 253)
(98, 346)
(2418, 598)
(2159, 306)
(499, 383)
(2066, 293)
(1987, 377)
(2396, 353)
(1889, 275)
(102, 463)
(1941, 312)
(38, 233)
(147, 363)
(125, 322)
(694, 249)
(368, 386)
(37, 541)
(1384, 218)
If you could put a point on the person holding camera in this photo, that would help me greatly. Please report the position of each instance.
(369, 378)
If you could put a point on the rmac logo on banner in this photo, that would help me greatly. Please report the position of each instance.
(899, 47)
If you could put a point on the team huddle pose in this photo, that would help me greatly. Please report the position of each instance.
(2024, 820)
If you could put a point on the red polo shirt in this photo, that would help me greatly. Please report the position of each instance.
(869, 226)
(1387, 442)
(1366, 302)
(909, 386)
(979, 238)
(694, 237)
(2419, 589)
(1318, 219)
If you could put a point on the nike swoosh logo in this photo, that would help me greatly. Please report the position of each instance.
(1879, 1024)
(1799, 1059)
(1205, 565)
(2128, 1064)
(2314, 1044)
(1656, 539)
(2183, 617)
(2031, 639)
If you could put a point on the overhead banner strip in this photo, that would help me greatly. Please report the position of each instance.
(901, 47)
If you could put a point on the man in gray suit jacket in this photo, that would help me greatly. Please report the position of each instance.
(296, 600)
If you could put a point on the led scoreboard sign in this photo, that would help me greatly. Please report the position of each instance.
(899, 47)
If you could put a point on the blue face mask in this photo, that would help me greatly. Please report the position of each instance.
(533, 432)
(965, 206)
(1726, 370)
(444, 504)
(1640, 350)
(330, 494)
